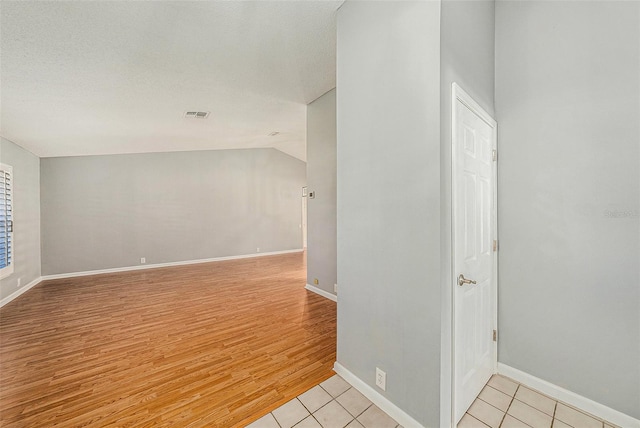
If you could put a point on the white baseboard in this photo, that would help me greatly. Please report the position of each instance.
(321, 292)
(159, 265)
(20, 291)
(596, 409)
(376, 398)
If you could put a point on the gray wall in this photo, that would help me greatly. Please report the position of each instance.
(568, 106)
(467, 58)
(388, 103)
(321, 179)
(102, 212)
(26, 182)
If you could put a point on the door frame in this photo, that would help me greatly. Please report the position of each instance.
(458, 94)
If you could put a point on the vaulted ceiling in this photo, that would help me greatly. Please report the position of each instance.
(84, 77)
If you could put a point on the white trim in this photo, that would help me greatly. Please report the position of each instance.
(6, 271)
(376, 398)
(321, 292)
(159, 265)
(582, 403)
(458, 94)
(20, 291)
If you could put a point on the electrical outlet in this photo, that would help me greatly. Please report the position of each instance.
(381, 379)
(19, 282)
(258, 250)
(335, 288)
(143, 260)
(315, 281)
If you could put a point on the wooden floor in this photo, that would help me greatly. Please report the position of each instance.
(216, 344)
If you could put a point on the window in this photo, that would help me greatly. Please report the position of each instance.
(6, 220)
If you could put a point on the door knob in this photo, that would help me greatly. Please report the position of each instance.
(462, 280)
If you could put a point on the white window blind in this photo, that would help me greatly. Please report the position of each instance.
(6, 220)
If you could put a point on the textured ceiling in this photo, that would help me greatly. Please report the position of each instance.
(82, 78)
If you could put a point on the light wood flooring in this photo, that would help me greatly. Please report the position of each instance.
(209, 345)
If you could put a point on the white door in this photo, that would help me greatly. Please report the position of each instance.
(474, 259)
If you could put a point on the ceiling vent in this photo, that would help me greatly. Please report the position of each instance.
(196, 114)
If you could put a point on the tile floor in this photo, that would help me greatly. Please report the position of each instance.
(508, 404)
(332, 404)
(502, 403)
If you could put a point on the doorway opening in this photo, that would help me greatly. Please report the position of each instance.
(303, 223)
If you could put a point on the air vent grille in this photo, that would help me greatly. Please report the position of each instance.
(196, 114)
